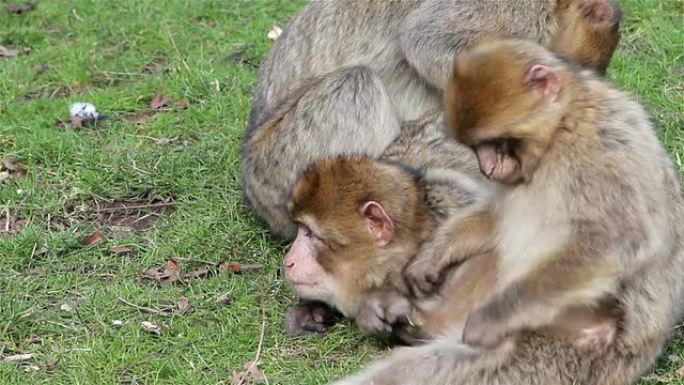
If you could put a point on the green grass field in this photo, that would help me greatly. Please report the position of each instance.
(164, 184)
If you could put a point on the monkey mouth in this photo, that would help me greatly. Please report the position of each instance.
(496, 159)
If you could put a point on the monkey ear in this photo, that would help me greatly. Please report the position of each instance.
(544, 80)
(598, 11)
(379, 223)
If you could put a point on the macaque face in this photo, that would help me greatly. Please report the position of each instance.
(324, 269)
(304, 271)
(510, 130)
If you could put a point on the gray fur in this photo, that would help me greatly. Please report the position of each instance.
(642, 219)
(374, 64)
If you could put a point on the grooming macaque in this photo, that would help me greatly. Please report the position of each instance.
(345, 74)
(589, 211)
(454, 180)
(350, 253)
(361, 220)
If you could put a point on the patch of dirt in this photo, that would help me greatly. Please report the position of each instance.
(131, 216)
(12, 52)
(161, 102)
(176, 143)
(19, 8)
(10, 169)
(155, 66)
(9, 223)
(172, 273)
(60, 92)
(239, 55)
(102, 79)
(136, 215)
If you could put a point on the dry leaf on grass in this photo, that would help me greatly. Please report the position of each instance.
(18, 8)
(10, 169)
(251, 374)
(183, 305)
(122, 250)
(151, 327)
(159, 101)
(92, 239)
(173, 273)
(176, 143)
(12, 52)
(274, 33)
(680, 371)
(34, 339)
(156, 66)
(224, 299)
(9, 224)
(170, 274)
(197, 273)
(18, 357)
(139, 118)
(14, 168)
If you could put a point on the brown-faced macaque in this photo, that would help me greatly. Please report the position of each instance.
(345, 74)
(454, 181)
(361, 220)
(588, 214)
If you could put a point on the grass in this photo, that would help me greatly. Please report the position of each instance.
(59, 297)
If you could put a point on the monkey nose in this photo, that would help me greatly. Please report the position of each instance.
(289, 265)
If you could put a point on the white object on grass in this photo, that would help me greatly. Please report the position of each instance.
(84, 111)
(274, 32)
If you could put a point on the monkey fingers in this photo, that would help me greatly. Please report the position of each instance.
(309, 317)
(424, 273)
(383, 312)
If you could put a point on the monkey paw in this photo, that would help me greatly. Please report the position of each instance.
(383, 311)
(423, 274)
(481, 329)
(309, 318)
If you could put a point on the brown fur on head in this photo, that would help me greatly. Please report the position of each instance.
(359, 222)
(588, 32)
(506, 100)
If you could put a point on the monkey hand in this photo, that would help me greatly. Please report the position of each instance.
(308, 317)
(484, 328)
(382, 312)
(424, 273)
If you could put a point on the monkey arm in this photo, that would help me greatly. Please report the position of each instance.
(433, 33)
(569, 278)
(459, 238)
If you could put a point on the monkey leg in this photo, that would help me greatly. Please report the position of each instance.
(567, 278)
(532, 360)
(345, 112)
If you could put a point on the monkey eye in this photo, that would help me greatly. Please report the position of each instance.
(308, 233)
